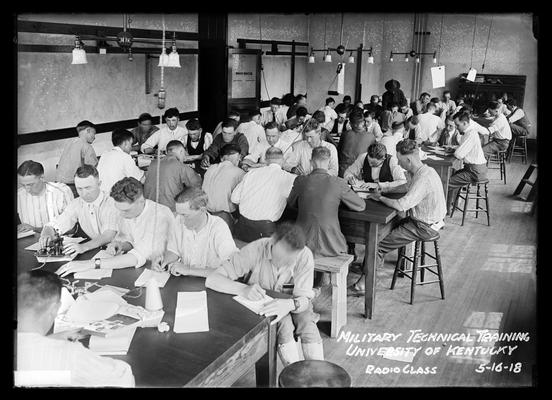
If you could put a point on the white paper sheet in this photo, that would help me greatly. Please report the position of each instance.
(191, 313)
(117, 343)
(66, 239)
(254, 305)
(115, 289)
(84, 310)
(105, 296)
(24, 234)
(471, 75)
(161, 277)
(47, 259)
(431, 156)
(94, 274)
(438, 76)
(66, 300)
(341, 80)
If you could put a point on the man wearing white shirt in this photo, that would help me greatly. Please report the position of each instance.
(300, 160)
(142, 235)
(276, 113)
(256, 158)
(200, 242)
(392, 137)
(499, 131)
(56, 356)
(471, 153)
(117, 163)
(430, 124)
(94, 210)
(262, 195)
(330, 113)
(448, 104)
(253, 130)
(171, 131)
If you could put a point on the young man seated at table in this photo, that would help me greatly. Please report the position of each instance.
(271, 264)
(353, 142)
(233, 115)
(324, 133)
(171, 131)
(406, 110)
(200, 242)
(198, 141)
(221, 179)
(299, 101)
(252, 129)
(449, 135)
(94, 210)
(317, 197)
(519, 124)
(274, 138)
(276, 113)
(329, 112)
(38, 202)
(392, 137)
(430, 124)
(390, 116)
(261, 196)
(420, 106)
(142, 235)
(76, 153)
(299, 161)
(174, 175)
(58, 359)
(228, 135)
(499, 131)
(471, 153)
(371, 125)
(143, 131)
(117, 163)
(300, 117)
(341, 124)
(448, 104)
(424, 197)
(374, 107)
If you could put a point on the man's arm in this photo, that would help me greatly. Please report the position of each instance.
(220, 282)
(235, 197)
(89, 156)
(244, 145)
(399, 179)
(190, 177)
(334, 164)
(150, 143)
(351, 199)
(132, 170)
(294, 193)
(355, 169)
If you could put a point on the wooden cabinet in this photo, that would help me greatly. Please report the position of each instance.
(488, 87)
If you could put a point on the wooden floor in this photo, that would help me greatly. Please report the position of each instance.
(490, 284)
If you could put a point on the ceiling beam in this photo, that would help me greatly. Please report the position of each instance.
(45, 48)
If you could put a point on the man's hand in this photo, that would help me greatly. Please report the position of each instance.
(148, 150)
(178, 269)
(298, 170)
(24, 228)
(278, 307)
(72, 335)
(115, 248)
(376, 195)
(46, 235)
(245, 167)
(253, 292)
(159, 264)
(76, 248)
(75, 266)
(205, 162)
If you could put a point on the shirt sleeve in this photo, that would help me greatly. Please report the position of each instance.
(465, 147)
(172, 244)
(244, 145)
(207, 141)
(334, 164)
(94, 370)
(303, 275)
(132, 170)
(90, 156)
(189, 176)
(213, 151)
(294, 193)
(351, 199)
(398, 176)
(242, 261)
(355, 169)
(516, 115)
(151, 142)
(235, 197)
(111, 217)
(416, 193)
(223, 242)
(67, 219)
(293, 158)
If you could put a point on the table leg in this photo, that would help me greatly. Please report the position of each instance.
(370, 262)
(265, 368)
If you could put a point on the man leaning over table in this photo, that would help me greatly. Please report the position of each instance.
(499, 131)
(171, 131)
(94, 210)
(272, 263)
(424, 198)
(199, 242)
(142, 235)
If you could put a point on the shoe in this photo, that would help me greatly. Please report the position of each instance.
(355, 268)
(355, 290)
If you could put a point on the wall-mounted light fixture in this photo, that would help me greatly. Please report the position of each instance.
(415, 55)
(79, 55)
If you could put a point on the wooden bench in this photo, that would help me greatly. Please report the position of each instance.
(338, 267)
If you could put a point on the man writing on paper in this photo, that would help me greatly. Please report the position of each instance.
(142, 235)
(38, 302)
(271, 263)
(171, 131)
(199, 242)
(94, 210)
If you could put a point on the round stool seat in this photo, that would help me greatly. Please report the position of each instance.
(481, 182)
(433, 238)
(314, 373)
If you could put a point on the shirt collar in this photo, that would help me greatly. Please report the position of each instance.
(320, 171)
(117, 148)
(96, 203)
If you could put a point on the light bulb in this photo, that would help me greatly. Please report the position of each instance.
(311, 59)
(417, 59)
(328, 57)
(406, 58)
(174, 59)
(370, 59)
(163, 59)
(391, 59)
(351, 59)
(434, 60)
(79, 57)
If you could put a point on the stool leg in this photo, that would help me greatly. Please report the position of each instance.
(503, 163)
(414, 270)
(477, 203)
(439, 270)
(466, 200)
(400, 261)
(422, 270)
(524, 150)
(455, 204)
(339, 302)
(487, 205)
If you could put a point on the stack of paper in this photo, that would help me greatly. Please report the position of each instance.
(116, 344)
(161, 277)
(254, 305)
(112, 325)
(94, 274)
(191, 312)
(24, 234)
(85, 310)
(434, 157)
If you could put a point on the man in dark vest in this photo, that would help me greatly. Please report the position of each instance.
(196, 143)
(519, 124)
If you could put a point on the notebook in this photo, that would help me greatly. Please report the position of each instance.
(112, 325)
(24, 234)
(254, 305)
(161, 277)
(191, 313)
(116, 344)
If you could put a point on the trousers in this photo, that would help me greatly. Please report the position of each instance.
(299, 325)
(470, 173)
(227, 217)
(518, 130)
(407, 231)
(495, 145)
(249, 230)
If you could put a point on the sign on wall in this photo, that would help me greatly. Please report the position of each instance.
(244, 75)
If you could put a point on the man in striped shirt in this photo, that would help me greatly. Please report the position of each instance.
(94, 210)
(39, 202)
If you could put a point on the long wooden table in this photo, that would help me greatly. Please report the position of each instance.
(443, 166)
(237, 340)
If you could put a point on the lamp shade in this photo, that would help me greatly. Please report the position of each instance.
(434, 60)
(351, 60)
(163, 59)
(328, 58)
(174, 59)
(405, 58)
(311, 59)
(79, 56)
(417, 59)
(370, 59)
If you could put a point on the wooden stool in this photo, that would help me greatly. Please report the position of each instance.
(416, 266)
(476, 196)
(498, 157)
(314, 373)
(338, 267)
(518, 150)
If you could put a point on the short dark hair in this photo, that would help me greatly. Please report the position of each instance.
(424, 94)
(271, 125)
(229, 149)
(414, 120)
(445, 92)
(467, 107)
(377, 150)
(145, 117)
(30, 167)
(300, 97)
(462, 115)
(321, 153)
(407, 146)
(290, 233)
(319, 116)
(340, 109)
(312, 125)
(37, 290)
(494, 105)
(174, 144)
(274, 153)
(330, 100)
(193, 125)
(171, 113)
(356, 118)
(127, 190)
(254, 112)
(229, 123)
(511, 102)
(195, 195)
(431, 105)
(81, 126)
(435, 100)
(233, 114)
(346, 97)
(119, 136)
(397, 124)
(369, 113)
(86, 170)
(374, 96)
(301, 112)
(358, 102)
(276, 101)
